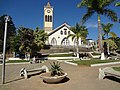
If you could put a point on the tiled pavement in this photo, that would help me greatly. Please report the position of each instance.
(79, 78)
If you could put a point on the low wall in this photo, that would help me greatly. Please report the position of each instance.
(60, 49)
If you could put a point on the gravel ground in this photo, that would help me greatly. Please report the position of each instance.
(79, 78)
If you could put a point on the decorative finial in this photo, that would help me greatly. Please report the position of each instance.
(48, 4)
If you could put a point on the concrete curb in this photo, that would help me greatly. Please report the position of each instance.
(16, 63)
(71, 63)
(54, 58)
(67, 61)
(103, 64)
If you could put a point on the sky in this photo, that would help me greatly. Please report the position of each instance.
(30, 14)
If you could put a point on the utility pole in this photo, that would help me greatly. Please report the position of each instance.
(4, 50)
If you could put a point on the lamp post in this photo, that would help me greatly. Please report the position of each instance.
(4, 49)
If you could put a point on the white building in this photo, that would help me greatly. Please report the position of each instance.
(91, 43)
(59, 35)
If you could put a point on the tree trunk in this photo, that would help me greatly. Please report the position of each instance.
(108, 45)
(100, 39)
(77, 49)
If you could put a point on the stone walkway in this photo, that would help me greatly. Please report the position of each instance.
(79, 78)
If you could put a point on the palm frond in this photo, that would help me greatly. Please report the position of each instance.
(73, 29)
(83, 3)
(110, 14)
(105, 3)
(70, 35)
(87, 16)
(110, 25)
(73, 37)
(107, 27)
(117, 4)
(112, 34)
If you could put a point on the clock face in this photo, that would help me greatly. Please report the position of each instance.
(48, 11)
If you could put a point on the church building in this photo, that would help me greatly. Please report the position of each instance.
(57, 36)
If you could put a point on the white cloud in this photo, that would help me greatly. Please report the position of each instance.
(91, 25)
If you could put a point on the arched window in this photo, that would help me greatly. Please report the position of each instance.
(65, 32)
(68, 32)
(46, 18)
(61, 32)
(65, 42)
(50, 18)
(53, 41)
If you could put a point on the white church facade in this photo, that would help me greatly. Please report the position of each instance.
(57, 36)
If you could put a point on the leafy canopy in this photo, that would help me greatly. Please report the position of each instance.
(117, 4)
(79, 32)
(26, 39)
(97, 6)
(40, 37)
(106, 28)
(11, 32)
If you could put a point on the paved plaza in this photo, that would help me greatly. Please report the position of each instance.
(79, 78)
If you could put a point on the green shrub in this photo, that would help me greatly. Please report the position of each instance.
(56, 69)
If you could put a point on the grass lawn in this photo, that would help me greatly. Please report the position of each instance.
(62, 55)
(116, 68)
(66, 59)
(17, 61)
(89, 62)
(95, 54)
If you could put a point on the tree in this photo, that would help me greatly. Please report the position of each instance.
(26, 39)
(101, 8)
(17, 43)
(117, 41)
(117, 4)
(106, 29)
(79, 32)
(11, 31)
(40, 38)
(112, 45)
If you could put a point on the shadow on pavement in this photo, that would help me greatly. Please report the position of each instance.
(66, 79)
(14, 80)
(113, 78)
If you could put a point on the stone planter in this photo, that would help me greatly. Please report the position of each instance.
(52, 79)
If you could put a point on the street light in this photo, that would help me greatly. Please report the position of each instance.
(4, 49)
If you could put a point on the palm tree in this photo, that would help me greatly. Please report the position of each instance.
(101, 8)
(79, 32)
(106, 29)
(40, 37)
(117, 4)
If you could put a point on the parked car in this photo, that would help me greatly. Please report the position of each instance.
(19, 55)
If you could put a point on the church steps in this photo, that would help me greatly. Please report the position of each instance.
(62, 49)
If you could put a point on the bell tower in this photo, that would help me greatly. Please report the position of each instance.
(48, 18)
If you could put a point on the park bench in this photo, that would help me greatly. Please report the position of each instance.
(108, 71)
(25, 73)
